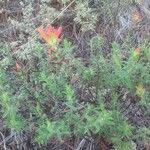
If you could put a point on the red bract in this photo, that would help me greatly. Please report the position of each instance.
(50, 35)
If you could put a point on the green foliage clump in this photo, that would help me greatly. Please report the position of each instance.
(47, 92)
(56, 96)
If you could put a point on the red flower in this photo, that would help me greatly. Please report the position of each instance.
(50, 35)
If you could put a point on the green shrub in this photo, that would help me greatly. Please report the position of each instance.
(40, 93)
(45, 89)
